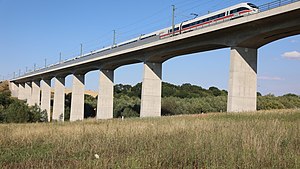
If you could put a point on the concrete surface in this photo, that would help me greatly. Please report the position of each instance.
(35, 94)
(77, 102)
(151, 90)
(46, 96)
(242, 80)
(21, 93)
(14, 89)
(106, 95)
(59, 99)
(27, 92)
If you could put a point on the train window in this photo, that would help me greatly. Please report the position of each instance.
(242, 9)
(252, 5)
(238, 10)
(213, 17)
(222, 14)
(233, 11)
(175, 29)
(185, 26)
(195, 23)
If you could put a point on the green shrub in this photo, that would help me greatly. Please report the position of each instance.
(126, 106)
(17, 112)
(37, 115)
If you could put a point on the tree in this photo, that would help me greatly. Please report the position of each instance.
(37, 115)
(215, 91)
(17, 112)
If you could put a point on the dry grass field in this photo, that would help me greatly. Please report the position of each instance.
(269, 139)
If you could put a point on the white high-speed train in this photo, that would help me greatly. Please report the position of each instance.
(229, 13)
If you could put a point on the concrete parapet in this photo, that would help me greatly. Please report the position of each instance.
(77, 102)
(59, 99)
(151, 90)
(106, 94)
(46, 96)
(243, 80)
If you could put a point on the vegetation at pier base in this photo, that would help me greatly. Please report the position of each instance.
(13, 110)
(191, 99)
(176, 100)
(264, 139)
(181, 99)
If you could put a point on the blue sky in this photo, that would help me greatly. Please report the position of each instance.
(34, 30)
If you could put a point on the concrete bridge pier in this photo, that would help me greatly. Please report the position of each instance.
(35, 93)
(105, 95)
(77, 102)
(151, 90)
(27, 92)
(243, 80)
(46, 96)
(13, 87)
(59, 99)
(21, 93)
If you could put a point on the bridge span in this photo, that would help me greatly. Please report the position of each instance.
(242, 35)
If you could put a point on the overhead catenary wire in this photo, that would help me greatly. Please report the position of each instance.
(153, 22)
(73, 51)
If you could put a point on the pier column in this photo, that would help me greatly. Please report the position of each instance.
(105, 95)
(21, 93)
(59, 99)
(46, 96)
(151, 90)
(27, 92)
(14, 89)
(35, 94)
(242, 80)
(77, 102)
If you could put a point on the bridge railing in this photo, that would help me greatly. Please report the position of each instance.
(262, 8)
(275, 4)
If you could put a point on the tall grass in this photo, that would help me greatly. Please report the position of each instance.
(248, 140)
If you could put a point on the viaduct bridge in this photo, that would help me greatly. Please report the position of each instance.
(243, 36)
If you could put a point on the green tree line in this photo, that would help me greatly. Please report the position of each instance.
(176, 100)
(183, 99)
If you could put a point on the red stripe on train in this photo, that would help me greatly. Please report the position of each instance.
(201, 24)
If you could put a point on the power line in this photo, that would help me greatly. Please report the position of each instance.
(149, 22)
